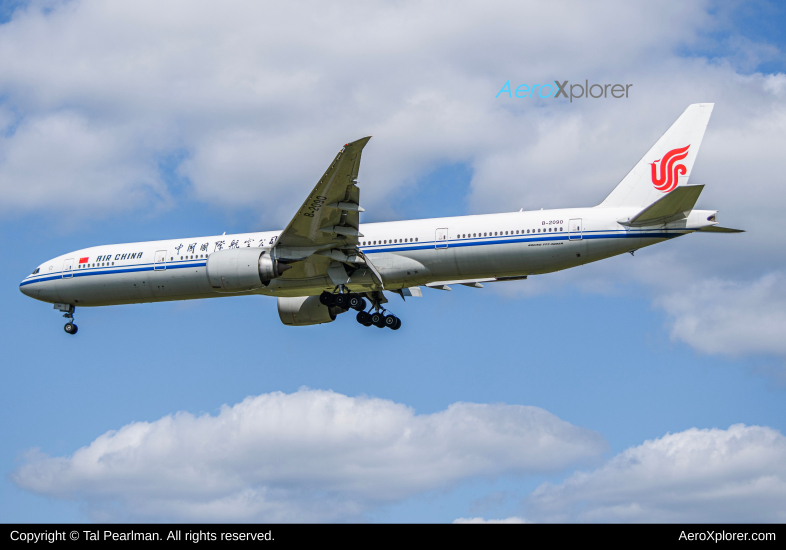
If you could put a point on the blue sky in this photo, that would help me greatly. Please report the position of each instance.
(600, 347)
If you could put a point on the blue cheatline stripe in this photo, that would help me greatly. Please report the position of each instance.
(506, 239)
(110, 271)
(398, 247)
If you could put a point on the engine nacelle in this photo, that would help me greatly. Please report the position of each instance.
(306, 310)
(241, 269)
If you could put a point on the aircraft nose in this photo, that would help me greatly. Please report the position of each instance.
(25, 289)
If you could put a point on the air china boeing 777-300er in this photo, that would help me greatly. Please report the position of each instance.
(325, 262)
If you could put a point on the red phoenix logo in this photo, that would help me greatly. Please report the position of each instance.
(669, 170)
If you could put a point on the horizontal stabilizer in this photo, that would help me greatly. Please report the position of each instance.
(719, 229)
(676, 205)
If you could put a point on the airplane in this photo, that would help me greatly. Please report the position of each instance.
(325, 263)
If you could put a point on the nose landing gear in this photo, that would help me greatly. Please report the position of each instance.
(69, 309)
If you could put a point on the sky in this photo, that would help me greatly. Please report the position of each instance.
(640, 388)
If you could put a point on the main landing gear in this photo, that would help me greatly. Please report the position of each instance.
(349, 300)
(379, 319)
(69, 309)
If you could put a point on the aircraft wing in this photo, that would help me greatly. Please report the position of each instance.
(324, 234)
(329, 217)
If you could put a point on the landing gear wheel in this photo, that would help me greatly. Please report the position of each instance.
(397, 325)
(341, 300)
(364, 318)
(378, 320)
(70, 328)
(356, 302)
(390, 321)
(327, 299)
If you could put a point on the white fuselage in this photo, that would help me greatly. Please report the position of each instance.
(406, 254)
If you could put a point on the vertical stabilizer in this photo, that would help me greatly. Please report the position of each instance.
(667, 164)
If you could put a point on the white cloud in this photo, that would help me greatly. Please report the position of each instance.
(63, 161)
(732, 318)
(261, 97)
(733, 475)
(716, 316)
(308, 456)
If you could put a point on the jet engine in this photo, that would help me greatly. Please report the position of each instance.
(306, 310)
(241, 269)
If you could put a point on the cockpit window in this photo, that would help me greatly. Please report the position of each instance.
(37, 269)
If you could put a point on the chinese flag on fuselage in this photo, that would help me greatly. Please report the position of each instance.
(83, 260)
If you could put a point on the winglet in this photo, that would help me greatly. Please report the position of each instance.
(360, 143)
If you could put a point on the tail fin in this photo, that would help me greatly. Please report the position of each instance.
(669, 163)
